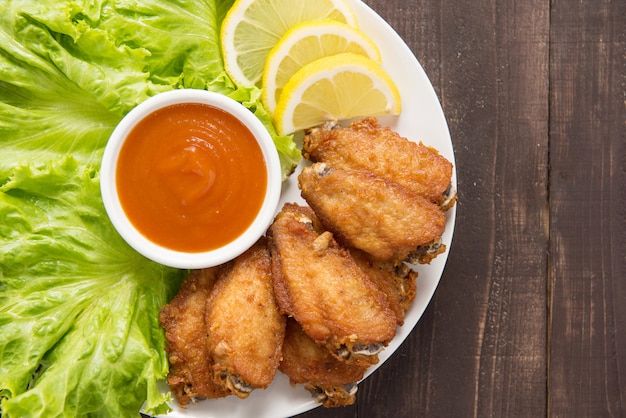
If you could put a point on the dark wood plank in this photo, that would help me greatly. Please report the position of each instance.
(480, 348)
(487, 337)
(588, 210)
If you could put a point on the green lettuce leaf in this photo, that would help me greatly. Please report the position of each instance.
(78, 307)
(63, 63)
(79, 331)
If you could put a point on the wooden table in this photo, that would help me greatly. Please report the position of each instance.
(529, 319)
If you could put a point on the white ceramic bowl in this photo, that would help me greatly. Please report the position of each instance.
(174, 258)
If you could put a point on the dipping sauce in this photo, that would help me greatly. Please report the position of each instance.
(191, 177)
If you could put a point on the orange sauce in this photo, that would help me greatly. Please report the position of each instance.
(191, 177)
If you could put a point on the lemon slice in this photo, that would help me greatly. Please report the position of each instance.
(337, 87)
(251, 28)
(305, 43)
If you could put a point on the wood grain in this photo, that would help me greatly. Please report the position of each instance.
(587, 369)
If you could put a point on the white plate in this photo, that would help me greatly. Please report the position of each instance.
(422, 119)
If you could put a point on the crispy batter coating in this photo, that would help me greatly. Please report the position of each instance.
(331, 381)
(245, 328)
(320, 285)
(367, 212)
(190, 375)
(366, 145)
(323, 295)
(397, 281)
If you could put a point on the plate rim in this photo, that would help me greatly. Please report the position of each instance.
(367, 19)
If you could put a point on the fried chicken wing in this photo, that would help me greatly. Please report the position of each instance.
(332, 382)
(372, 214)
(397, 281)
(245, 327)
(319, 284)
(366, 145)
(190, 375)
